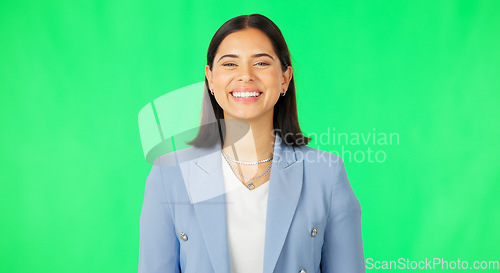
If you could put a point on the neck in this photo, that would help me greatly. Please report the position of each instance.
(249, 141)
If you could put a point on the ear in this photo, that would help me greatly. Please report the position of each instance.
(287, 77)
(208, 74)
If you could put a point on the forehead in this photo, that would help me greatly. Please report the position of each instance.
(246, 42)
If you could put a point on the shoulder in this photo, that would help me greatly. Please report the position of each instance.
(324, 167)
(325, 179)
(329, 171)
(173, 166)
(318, 159)
(342, 195)
(172, 172)
(175, 158)
(321, 168)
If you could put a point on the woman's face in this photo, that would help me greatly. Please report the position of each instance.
(246, 65)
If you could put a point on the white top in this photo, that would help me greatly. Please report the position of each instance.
(246, 222)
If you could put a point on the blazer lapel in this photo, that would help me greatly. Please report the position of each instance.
(206, 192)
(205, 186)
(284, 192)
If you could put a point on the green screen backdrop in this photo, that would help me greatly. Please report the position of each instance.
(407, 92)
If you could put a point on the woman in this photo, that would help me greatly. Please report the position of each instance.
(249, 196)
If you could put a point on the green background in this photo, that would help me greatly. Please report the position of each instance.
(74, 75)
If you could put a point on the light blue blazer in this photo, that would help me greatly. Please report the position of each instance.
(313, 217)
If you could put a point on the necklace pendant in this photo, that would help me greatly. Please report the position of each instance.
(251, 186)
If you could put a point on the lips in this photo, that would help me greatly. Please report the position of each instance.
(245, 90)
(245, 94)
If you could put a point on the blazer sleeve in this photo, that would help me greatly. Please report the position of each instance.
(158, 244)
(342, 250)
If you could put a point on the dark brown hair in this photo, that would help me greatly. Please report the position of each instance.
(285, 119)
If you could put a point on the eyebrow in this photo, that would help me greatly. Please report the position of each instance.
(253, 56)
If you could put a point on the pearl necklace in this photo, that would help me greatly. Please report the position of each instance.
(246, 163)
(250, 185)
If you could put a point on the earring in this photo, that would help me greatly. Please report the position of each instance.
(211, 92)
(283, 94)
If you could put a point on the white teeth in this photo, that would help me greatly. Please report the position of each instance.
(245, 94)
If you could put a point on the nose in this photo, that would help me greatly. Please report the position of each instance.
(246, 73)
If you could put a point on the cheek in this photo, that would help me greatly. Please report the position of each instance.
(273, 76)
(222, 79)
(272, 80)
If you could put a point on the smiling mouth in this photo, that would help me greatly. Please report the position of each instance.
(246, 94)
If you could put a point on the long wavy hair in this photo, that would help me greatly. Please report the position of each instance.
(285, 118)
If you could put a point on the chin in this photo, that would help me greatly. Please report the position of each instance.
(245, 116)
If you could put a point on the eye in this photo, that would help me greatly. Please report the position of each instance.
(229, 64)
(263, 63)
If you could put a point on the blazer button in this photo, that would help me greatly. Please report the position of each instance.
(183, 236)
(303, 271)
(314, 232)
